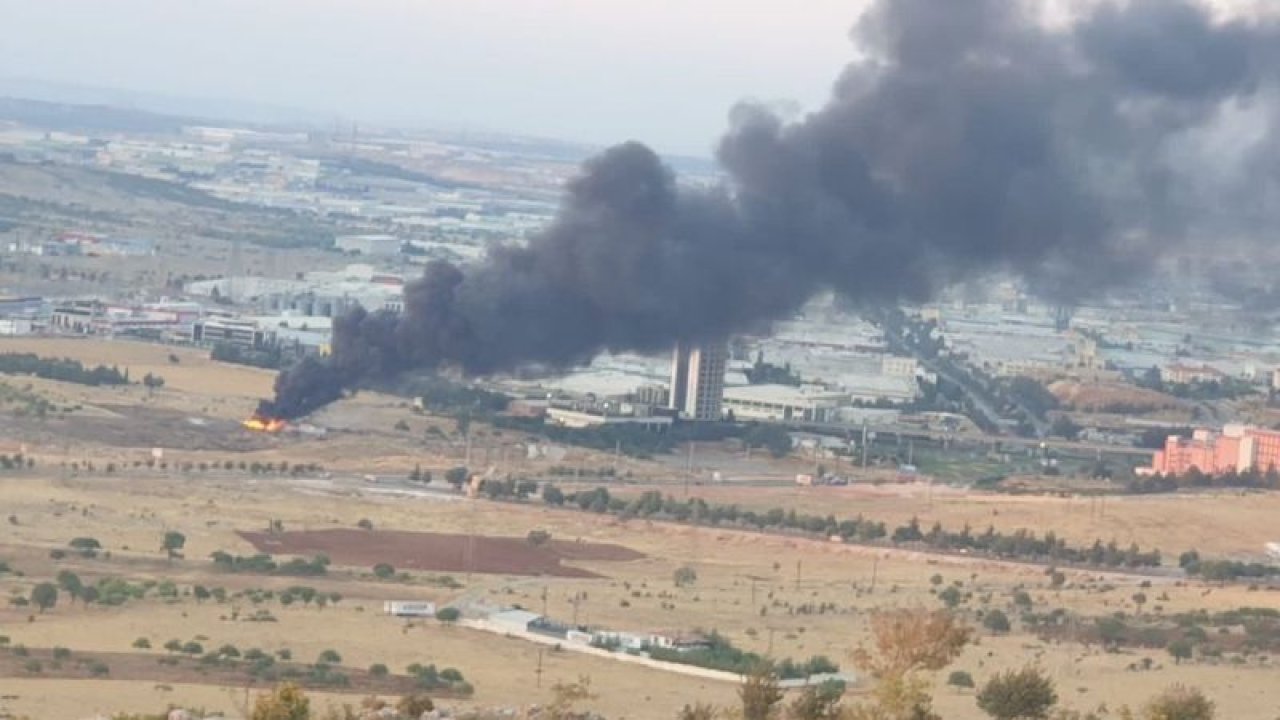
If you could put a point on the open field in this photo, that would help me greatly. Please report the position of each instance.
(760, 591)
(788, 597)
(1228, 523)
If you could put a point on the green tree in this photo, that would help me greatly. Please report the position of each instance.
(759, 693)
(384, 571)
(818, 702)
(378, 670)
(329, 657)
(201, 593)
(70, 582)
(552, 495)
(1180, 649)
(448, 614)
(456, 476)
(1026, 694)
(44, 596)
(173, 543)
(996, 621)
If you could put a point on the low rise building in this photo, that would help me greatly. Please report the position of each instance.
(238, 332)
(1181, 374)
(784, 403)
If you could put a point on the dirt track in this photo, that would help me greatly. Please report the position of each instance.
(442, 552)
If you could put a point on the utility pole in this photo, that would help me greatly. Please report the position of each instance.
(865, 450)
(875, 570)
(538, 672)
(688, 475)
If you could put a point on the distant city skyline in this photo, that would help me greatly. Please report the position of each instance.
(577, 70)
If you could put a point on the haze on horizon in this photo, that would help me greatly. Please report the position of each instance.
(661, 71)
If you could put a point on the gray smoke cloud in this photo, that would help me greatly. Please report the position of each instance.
(969, 139)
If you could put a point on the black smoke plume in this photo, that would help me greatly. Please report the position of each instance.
(973, 136)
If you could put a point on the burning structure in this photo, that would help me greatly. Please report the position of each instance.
(259, 423)
(972, 136)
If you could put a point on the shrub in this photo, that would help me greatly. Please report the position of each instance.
(996, 621)
(1026, 693)
(142, 644)
(448, 614)
(960, 679)
(684, 576)
(415, 705)
(378, 670)
(384, 571)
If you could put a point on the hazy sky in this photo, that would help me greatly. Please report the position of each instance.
(663, 71)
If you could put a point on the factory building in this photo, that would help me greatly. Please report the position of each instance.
(373, 245)
(241, 333)
(697, 380)
(784, 403)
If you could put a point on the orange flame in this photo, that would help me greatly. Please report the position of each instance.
(264, 424)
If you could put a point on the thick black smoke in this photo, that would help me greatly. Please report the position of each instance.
(971, 138)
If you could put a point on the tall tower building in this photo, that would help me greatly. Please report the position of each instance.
(697, 380)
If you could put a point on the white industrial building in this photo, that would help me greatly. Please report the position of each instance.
(373, 245)
(784, 403)
(317, 293)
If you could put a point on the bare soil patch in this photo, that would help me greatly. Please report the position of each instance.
(1111, 397)
(443, 552)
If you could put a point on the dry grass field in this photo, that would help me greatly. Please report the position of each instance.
(788, 597)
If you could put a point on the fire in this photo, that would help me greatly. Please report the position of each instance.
(258, 423)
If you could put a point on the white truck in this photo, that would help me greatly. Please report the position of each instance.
(409, 609)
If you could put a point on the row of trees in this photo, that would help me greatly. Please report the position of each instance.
(62, 369)
(1194, 478)
(1224, 570)
(720, 654)
(254, 467)
(1020, 544)
(264, 564)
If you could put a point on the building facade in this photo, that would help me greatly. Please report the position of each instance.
(1236, 448)
(697, 380)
